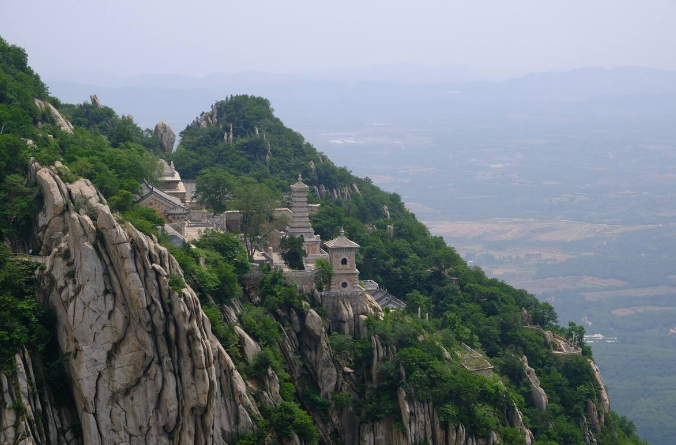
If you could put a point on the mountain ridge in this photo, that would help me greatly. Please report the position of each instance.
(152, 321)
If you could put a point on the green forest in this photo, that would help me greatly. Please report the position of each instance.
(464, 305)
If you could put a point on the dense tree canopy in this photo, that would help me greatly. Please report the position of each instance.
(213, 187)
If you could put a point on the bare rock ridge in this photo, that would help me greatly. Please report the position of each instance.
(597, 413)
(144, 364)
(537, 394)
(59, 120)
(166, 136)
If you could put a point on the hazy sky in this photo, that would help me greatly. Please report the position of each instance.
(496, 38)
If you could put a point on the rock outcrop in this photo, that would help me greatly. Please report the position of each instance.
(95, 100)
(249, 346)
(316, 351)
(27, 412)
(346, 311)
(604, 399)
(596, 412)
(166, 136)
(59, 120)
(537, 394)
(207, 119)
(144, 364)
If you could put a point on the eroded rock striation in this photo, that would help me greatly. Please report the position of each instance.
(144, 364)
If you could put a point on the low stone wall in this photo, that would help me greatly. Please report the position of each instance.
(304, 279)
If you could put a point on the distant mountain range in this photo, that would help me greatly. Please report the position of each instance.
(341, 94)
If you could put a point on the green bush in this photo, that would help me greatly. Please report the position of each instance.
(228, 247)
(145, 219)
(511, 436)
(268, 358)
(176, 283)
(289, 416)
(277, 294)
(342, 399)
(257, 322)
(341, 346)
(20, 316)
(224, 333)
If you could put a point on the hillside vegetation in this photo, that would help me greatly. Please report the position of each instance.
(464, 306)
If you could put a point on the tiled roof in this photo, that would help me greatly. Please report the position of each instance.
(385, 299)
(342, 242)
(177, 207)
(177, 210)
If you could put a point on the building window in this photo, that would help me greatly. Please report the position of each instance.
(343, 262)
(343, 284)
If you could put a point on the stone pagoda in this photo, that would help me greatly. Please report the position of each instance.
(346, 301)
(300, 222)
(342, 255)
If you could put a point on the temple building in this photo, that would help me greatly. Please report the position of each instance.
(382, 296)
(169, 207)
(300, 222)
(342, 255)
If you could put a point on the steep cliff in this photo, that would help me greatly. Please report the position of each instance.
(144, 364)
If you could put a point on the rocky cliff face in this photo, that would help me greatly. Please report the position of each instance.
(596, 413)
(144, 365)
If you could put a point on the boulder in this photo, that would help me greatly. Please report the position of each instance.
(95, 100)
(166, 136)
